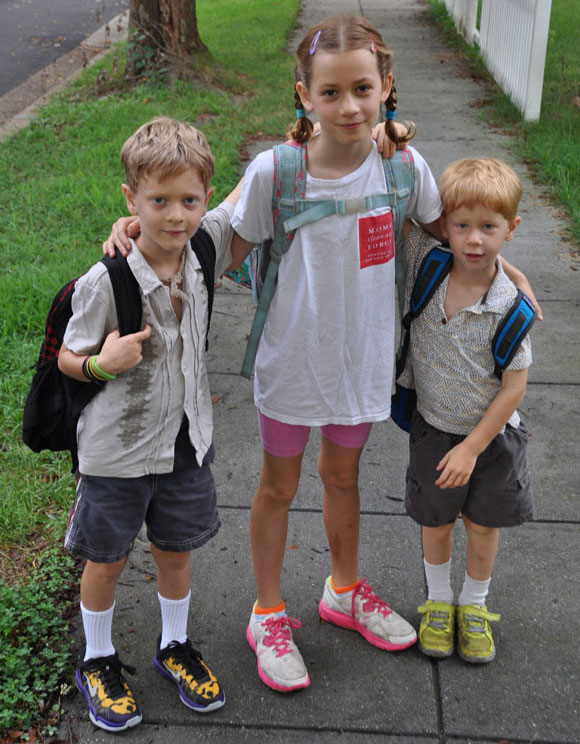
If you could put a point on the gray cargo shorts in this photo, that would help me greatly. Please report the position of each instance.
(179, 509)
(498, 494)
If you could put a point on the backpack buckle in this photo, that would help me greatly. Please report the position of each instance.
(351, 206)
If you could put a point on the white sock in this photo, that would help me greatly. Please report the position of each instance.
(439, 581)
(474, 592)
(174, 614)
(97, 627)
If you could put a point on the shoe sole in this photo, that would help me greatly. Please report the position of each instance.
(476, 659)
(268, 681)
(162, 672)
(344, 621)
(101, 722)
(434, 653)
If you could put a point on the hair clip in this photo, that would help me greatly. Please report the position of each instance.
(300, 113)
(315, 42)
(373, 45)
(390, 114)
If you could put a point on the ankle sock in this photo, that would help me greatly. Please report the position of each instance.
(474, 592)
(258, 613)
(174, 614)
(98, 632)
(342, 590)
(439, 581)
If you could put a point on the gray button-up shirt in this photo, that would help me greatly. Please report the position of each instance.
(450, 362)
(129, 428)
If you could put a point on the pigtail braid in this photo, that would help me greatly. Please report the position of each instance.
(390, 128)
(301, 130)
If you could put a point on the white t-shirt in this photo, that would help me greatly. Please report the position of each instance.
(326, 354)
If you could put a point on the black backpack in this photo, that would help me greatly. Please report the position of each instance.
(55, 402)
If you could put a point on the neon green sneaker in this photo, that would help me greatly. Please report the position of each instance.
(437, 628)
(474, 634)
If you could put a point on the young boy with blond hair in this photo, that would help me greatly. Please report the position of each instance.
(145, 441)
(467, 442)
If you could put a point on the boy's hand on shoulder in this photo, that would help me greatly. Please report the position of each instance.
(456, 466)
(385, 146)
(121, 353)
(123, 229)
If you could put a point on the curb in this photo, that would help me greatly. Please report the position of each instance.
(18, 107)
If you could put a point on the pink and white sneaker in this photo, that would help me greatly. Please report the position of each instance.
(363, 611)
(280, 664)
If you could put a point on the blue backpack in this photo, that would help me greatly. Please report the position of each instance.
(291, 211)
(511, 331)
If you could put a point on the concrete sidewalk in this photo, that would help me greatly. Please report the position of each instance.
(530, 693)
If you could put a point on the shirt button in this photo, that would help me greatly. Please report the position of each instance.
(444, 321)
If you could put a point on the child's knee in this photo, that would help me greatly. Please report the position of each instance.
(278, 493)
(438, 534)
(338, 476)
(478, 530)
(170, 560)
(103, 573)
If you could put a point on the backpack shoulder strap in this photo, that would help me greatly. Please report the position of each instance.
(204, 248)
(126, 293)
(400, 178)
(513, 328)
(400, 181)
(289, 186)
(433, 269)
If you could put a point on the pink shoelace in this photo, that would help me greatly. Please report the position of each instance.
(370, 600)
(279, 633)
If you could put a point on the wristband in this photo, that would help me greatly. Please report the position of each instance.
(100, 372)
(93, 372)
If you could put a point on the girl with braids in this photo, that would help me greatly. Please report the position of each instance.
(327, 351)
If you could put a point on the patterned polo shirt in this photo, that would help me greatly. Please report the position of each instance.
(450, 362)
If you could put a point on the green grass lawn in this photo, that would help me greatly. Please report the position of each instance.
(551, 146)
(59, 194)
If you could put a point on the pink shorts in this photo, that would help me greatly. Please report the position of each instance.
(289, 440)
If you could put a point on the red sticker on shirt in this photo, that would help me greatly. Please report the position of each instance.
(376, 240)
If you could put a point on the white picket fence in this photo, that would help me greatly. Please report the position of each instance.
(512, 36)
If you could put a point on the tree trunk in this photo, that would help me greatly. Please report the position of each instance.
(162, 33)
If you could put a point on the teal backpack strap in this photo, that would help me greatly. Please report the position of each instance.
(400, 177)
(312, 210)
(289, 185)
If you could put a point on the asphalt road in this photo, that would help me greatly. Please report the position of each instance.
(33, 33)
